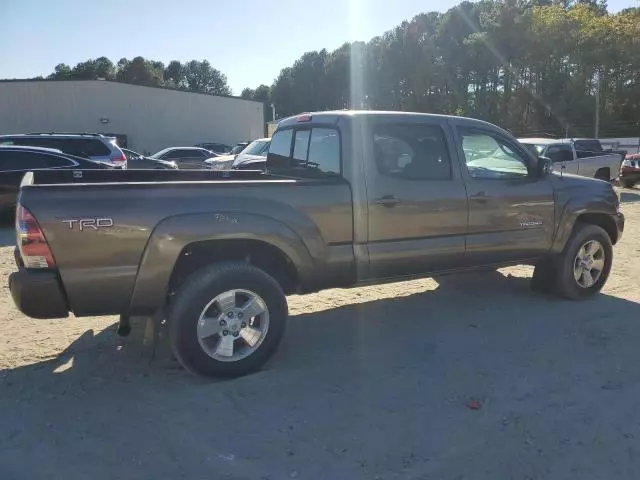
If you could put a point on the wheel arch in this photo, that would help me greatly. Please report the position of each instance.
(209, 237)
(598, 210)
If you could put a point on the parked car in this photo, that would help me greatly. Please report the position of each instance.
(567, 157)
(137, 160)
(16, 160)
(185, 157)
(354, 198)
(219, 148)
(254, 154)
(93, 146)
(630, 171)
(238, 148)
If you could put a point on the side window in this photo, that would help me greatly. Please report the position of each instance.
(8, 161)
(560, 153)
(412, 152)
(488, 156)
(54, 161)
(83, 147)
(172, 154)
(191, 154)
(30, 160)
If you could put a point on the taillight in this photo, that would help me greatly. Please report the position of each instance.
(34, 250)
(119, 159)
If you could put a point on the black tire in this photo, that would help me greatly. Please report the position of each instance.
(627, 183)
(566, 285)
(544, 277)
(197, 291)
(603, 174)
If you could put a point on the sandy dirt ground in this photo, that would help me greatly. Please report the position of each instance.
(369, 383)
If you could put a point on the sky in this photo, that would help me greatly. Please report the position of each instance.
(249, 41)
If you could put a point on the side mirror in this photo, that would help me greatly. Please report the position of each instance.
(544, 166)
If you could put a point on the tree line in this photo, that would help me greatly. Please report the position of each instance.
(194, 76)
(534, 67)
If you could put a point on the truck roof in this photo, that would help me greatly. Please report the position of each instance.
(332, 116)
(544, 141)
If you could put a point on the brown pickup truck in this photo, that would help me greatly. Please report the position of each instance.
(349, 198)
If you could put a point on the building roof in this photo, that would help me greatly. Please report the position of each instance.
(47, 80)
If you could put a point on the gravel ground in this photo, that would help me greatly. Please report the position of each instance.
(465, 377)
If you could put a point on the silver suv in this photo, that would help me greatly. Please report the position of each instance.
(93, 146)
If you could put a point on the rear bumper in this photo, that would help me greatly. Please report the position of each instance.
(38, 293)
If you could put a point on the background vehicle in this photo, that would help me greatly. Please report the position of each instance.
(568, 156)
(409, 196)
(88, 145)
(136, 160)
(256, 151)
(630, 171)
(219, 148)
(238, 148)
(16, 160)
(185, 157)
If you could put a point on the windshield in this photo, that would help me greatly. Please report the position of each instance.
(257, 147)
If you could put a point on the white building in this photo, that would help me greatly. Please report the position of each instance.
(151, 118)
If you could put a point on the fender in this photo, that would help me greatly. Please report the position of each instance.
(572, 209)
(172, 234)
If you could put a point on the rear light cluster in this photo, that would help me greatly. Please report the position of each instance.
(33, 247)
(119, 160)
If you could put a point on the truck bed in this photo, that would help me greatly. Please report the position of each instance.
(136, 213)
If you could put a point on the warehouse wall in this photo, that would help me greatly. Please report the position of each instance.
(152, 118)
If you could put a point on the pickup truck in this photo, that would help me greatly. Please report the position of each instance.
(349, 198)
(570, 156)
(630, 171)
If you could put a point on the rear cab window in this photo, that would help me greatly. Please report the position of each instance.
(305, 151)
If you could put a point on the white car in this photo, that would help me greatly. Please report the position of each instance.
(567, 158)
(255, 151)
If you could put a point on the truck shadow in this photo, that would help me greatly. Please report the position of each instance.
(341, 379)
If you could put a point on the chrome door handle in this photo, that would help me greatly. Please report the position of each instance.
(388, 201)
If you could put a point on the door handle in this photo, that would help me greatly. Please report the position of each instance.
(388, 201)
(480, 197)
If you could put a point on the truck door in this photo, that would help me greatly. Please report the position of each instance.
(417, 201)
(563, 158)
(511, 208)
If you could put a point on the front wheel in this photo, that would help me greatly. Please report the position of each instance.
(227, 320)
(585, 263)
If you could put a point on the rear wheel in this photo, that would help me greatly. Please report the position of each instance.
(227, 320)
(603, 174)
(585, 263)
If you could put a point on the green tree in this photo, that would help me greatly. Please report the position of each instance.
(140, 71)
(62, 71)
(202, 77)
